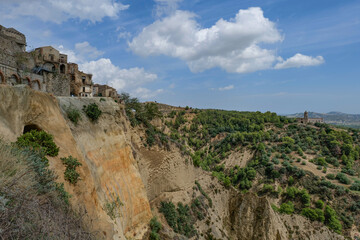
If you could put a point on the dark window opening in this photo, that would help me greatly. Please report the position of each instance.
(62, 68)
(83, 89)
(30, 127)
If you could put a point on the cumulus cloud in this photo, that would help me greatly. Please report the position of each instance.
(299, 60)
(226, 88)
(83, 52)
(233, 45)
(60, 11)
(130, 80)
(165, 7)
(87, 51)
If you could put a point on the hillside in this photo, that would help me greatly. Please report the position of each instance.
(152, 171)
(335, 118)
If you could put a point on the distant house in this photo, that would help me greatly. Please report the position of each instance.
(105, 91)
(306, 119)
(80, 83)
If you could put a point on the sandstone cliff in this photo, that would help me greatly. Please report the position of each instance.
(108, 167)
(116, 164)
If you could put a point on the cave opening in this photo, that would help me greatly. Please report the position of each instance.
(30, 127)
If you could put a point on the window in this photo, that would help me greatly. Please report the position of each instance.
(83, 89)
(83, 79)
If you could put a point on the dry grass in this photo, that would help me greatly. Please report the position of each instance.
(30, 209)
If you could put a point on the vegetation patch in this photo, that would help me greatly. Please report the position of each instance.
(112, 208)
(155, 227)
(39, 141)
(70, 174)
(179, 219)
(73, 114)
(92, 111)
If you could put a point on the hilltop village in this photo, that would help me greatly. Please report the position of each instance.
(45, 69)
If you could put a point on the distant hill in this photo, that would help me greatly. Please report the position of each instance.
(336, 118)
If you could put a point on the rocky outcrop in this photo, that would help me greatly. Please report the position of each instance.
(109, 170)
(253, 218)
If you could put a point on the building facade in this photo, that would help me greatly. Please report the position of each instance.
(81, 83)
(306, 119)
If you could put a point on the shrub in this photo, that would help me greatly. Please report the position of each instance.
(355, 186)
(331, 219)
(341, 177)
(287, 208)
(40, 141)
(313, 214)
(155, 227)
(319, 204)
(112, 208)
(330, 176)
(92, 111)
(73, 114)
(70, 173)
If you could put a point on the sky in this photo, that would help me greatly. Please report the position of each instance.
(281, 56)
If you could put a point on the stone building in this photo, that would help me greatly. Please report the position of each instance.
(306, 119)
(81, 83)
(15, 62)
(105, 91)
(44, 68)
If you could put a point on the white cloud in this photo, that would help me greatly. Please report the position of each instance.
(60, 11)
(83, 52)
(166, 7)
(226, 88)
(299, 60)
(146, 93)
(124, 35)
(231, 45)
(131, 80)
(87, 51)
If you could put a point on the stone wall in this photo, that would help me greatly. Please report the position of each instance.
(57, 84)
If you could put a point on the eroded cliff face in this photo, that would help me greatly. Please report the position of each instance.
(116, 164)
(109, 170)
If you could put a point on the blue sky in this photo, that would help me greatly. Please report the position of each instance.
(277, 55)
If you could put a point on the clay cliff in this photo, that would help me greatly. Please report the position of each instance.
(116, 164)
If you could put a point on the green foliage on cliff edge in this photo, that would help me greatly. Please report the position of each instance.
(92, 111)
(40, 141)
(32, 204)
(70, 174)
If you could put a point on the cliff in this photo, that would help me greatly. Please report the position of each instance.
(116, 164)
(108, 170)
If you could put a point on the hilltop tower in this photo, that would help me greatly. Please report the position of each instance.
(306, 116)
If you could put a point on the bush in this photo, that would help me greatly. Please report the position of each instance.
(287, 208)
(155, 227)
(319, 204)
(73, 114)
(39, 141)
(331, 219)
(313, 214)
(70, 173)
(178, 219)
(341, 177)
(330, 176)
(355, 186)
(92, 111)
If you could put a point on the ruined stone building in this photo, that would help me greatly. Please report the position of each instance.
(15, 62)
(105, 91)
(81, 83)
(44, 69)
(306, 119)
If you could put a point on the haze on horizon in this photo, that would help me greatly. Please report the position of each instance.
(281, 56)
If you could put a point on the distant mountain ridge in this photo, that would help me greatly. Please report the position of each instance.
(336, 118)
